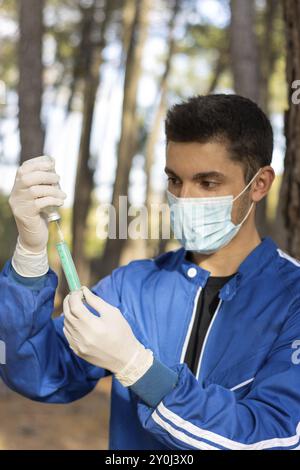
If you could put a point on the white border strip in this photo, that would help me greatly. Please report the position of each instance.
(224, 441)
(180, 435)
(242, 384)
(295, 261)
(206, 338)
(189, 332)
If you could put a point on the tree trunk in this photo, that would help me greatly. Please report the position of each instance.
(268, 57)
(82, 56)
(244, 51)
(245, 68)
(129, 130)
(84, 184)
(31, 78)
(268, 53)
(129, 12)
(219, 68)
(153, 135)
(289, 206)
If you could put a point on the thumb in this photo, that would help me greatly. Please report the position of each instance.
(97, 302)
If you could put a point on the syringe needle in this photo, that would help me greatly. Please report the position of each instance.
(61, 236)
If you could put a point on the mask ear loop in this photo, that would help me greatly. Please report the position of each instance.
(246, 216)
(250, 208)
(250, 182)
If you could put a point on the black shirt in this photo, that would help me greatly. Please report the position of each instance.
(207, 304)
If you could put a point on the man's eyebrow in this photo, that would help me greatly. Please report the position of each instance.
(209, 174)
(204, 174)
(171, 172)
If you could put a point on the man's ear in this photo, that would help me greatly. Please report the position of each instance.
(262, 184)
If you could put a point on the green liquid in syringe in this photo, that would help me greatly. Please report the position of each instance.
(67, 262)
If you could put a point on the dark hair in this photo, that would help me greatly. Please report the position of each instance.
(232, 119)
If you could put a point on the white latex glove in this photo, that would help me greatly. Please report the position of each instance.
(28, 263)
(106, 341)
(33, 190)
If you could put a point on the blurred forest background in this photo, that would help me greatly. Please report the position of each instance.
(89, 82)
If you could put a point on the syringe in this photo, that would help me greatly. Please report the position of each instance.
(65, 256)
(67, 261)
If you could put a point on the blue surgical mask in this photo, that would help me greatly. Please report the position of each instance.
(204, 224)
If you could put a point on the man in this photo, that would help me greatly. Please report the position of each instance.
(201, 341)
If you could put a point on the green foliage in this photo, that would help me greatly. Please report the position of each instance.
(94, 245)
(8, 38)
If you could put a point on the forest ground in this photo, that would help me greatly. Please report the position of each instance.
(83, 424)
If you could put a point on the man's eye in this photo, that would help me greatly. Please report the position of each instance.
(173, 180)
(209, 184)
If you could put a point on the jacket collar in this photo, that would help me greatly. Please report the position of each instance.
(255, 262)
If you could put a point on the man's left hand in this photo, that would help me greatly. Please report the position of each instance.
(106, 341)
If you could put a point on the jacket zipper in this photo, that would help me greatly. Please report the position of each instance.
(189, 331)
(206, 338)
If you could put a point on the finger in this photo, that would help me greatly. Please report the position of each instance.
(96, 302)
(43, 162)
(72, 324)
(39, 177)
(67, 311)
(70, 328)
(68, 336)
(77, 307)
(69, 322)
(66, 328)
(43, 202)
(44, 190)
(66, 308)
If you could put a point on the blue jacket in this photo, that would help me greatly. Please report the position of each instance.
(246, 394)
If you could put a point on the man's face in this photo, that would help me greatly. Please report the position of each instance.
(206, 170)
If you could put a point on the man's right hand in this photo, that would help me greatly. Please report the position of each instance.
(35, 188)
